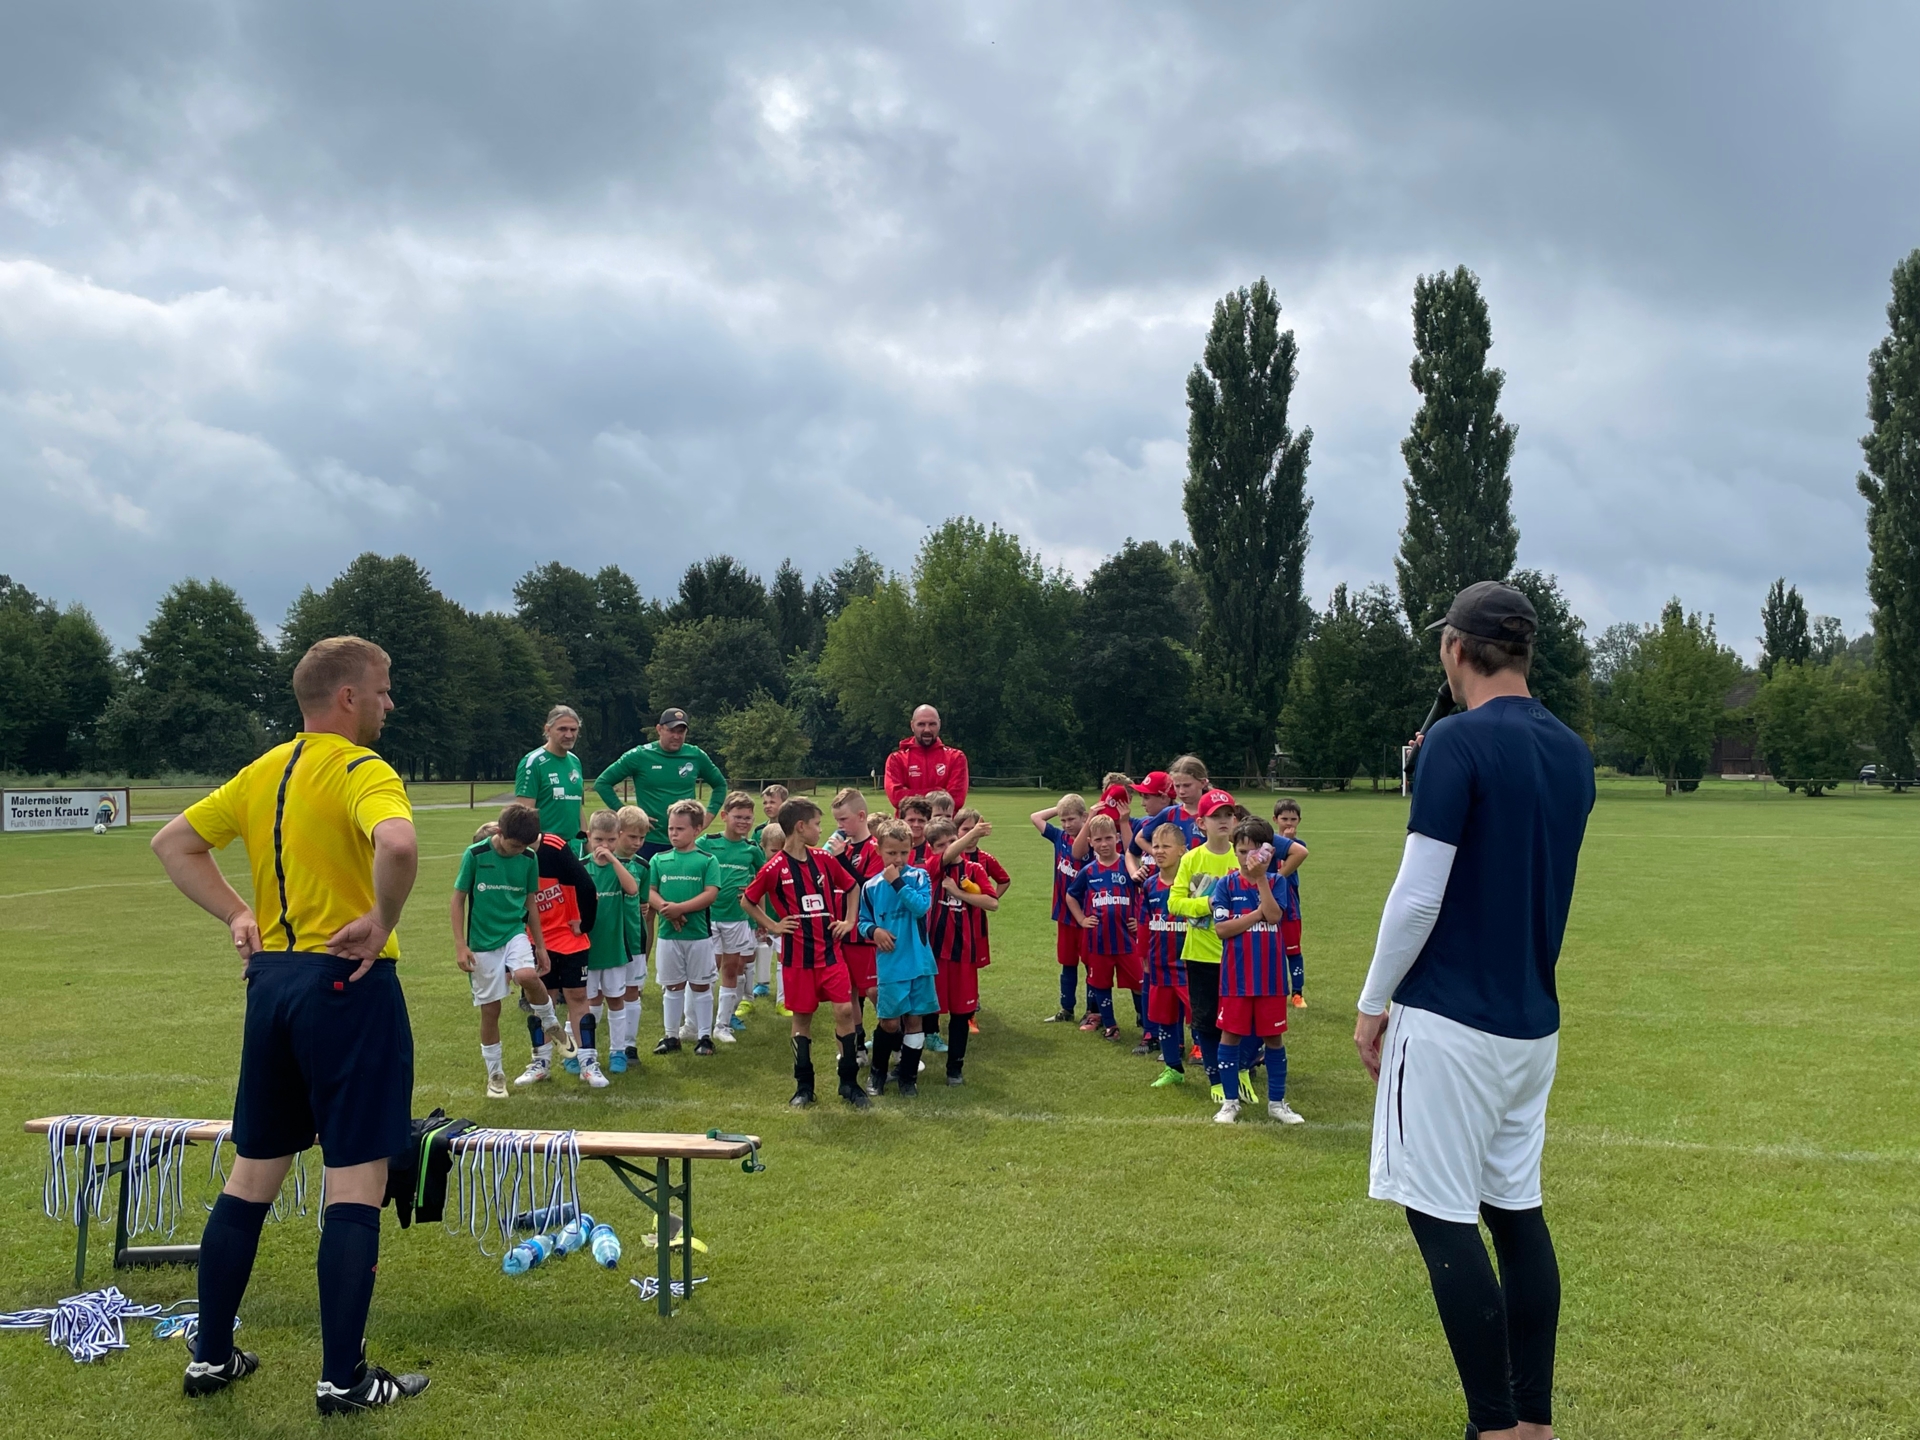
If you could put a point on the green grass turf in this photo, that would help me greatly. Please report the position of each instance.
(1056, 1249)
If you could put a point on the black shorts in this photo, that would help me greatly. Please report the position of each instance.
(568, 972)
(324, 1057)
(1203, 986)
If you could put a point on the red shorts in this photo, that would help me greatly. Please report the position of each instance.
(1068, 947)
(1290, 936)
(1261, 1015)
(805, 988)
(863, 968)
(1168, 1004)
(958, 986)
(1104, 971)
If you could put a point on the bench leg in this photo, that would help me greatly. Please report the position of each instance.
(663, 1235)
(686, 1226)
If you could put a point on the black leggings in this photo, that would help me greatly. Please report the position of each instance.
(1501, 1331)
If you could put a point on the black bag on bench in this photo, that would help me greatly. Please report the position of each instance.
(417, 1180)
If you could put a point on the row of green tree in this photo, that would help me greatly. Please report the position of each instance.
(1206, 643)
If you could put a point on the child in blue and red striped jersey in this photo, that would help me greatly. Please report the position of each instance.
(1253, 965)
(1169, 1003)
(1103, 899)
(1068, 948)
(1186, 779)
(1290, 855)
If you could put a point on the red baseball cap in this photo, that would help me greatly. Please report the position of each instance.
(1155, 783)
(1214, 800)
(1121, 795)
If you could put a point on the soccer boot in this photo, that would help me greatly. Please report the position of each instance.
(744, 1007)
(722, 1035)
(535, 1072)
(617, 1063)
(1059, 1017)
(1218, 1094)
(760, 992)
(496, 1085)
(1228, 1112)
(669, 1045)
(973, 1026)
(374, 1389)
(953, 1079)
(1092, 1022)
(909, 1089)
(1285, 1113)
(632, 1053)
(936, 1044)
(801, 1099)
(1146, 1047)
(205, 1379)
(703, 1046)
(1297, 1000)
(736, 1024)
(876, 1083)
(1195, 1054)
(595, 1078)
(854, 1096)
(1167, 1076)
(1111, 1032)
(571, 1065)
(561, 1038)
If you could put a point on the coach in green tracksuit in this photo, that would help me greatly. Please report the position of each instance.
(667, 770)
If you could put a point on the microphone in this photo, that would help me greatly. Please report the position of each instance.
(1443, 706)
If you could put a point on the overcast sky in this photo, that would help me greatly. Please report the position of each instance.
(494, 284)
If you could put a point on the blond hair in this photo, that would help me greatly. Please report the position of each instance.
(736, 799)
(1071, 803)
(895, 830)
(1101, 825)
(851, 798)
(772, 791)
(692, 811)
(938, 799)
(632, 817)
(330, 665)
(602, 820)
(1189, 765)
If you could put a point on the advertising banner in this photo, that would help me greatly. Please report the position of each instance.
(62, 809)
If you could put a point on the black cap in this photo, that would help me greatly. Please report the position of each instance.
(671, 718)
(1491, 611)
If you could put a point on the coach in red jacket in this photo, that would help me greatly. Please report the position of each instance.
(922, 763)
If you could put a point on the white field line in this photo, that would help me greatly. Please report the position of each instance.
(126, 884)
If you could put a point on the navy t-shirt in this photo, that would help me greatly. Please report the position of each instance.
(1510, 788)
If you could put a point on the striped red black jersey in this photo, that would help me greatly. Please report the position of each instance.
(861, 860)
(1254, 962)
(566, 894)
(1166, 934)
(923, 856)
(812, 890)
(952, 930)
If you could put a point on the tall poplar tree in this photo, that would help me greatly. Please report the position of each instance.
(1891, 485)
(1459, 496)
(1247, 505)
(1783, 627)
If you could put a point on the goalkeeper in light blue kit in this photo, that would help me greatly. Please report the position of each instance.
(893, 910)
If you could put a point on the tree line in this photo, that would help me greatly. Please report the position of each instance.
(1204, 642)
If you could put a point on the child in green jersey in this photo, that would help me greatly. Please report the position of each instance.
(496, 930)
(607, 953)
(685, 882)
(634, 825)
(739, 860)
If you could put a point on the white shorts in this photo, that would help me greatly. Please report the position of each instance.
(1459, 1118)
(636, 971)
(492, 975)
(612, 981)
(733, 937)
(685, 962)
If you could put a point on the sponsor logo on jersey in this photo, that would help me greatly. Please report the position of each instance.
(813, 904)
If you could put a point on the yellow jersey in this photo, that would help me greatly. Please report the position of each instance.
(1191, 895)
(306, 811)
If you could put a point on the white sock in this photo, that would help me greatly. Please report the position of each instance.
(491, 1054)
(623, 1026)
(587, 1059)
(763, 965)
(673, 1009)
(780, 985)
(544, 1055)
(545, 1015)
(728, 1000)
(703, 1013)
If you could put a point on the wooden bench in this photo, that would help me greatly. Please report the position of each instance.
(616, 1149)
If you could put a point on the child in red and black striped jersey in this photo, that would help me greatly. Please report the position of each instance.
(974, 828)
(853, 845)
(803, 884)
(962, 892)
(917, 810)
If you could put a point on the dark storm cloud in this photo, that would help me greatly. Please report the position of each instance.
(499, 284)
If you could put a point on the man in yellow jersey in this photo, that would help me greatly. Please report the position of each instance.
(327, 1051)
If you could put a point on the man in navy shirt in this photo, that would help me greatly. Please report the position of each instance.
(1465, 1060)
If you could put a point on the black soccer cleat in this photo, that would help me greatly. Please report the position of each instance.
(669, 1045)
(909, 1090)
(801, 1099)
(855, 1096)
(876, 1084)
(633, 1053)
(204, 1379)
(956, 1079)
(1059, 1017)
(1146, 1047)
(704, 1045)
(374, 1389)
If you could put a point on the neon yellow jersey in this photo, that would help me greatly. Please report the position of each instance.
(1191, 895)
(306, 812)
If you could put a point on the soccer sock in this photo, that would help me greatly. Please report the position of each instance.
(703, 1013)
(910, 1047)
(957, 1037)
(849, 1060)
(762, 965)
(1473, 1314)
(1250, 1048)
(349, 1256)
(1276, 1072)
(1103, 998)
(1172, 1043)
(1530, 1285)
(780, 986)
(884, 1043)
(545, 1014)
(803, 1062)
(227, 1247)
(1297, 974)
(930, 1024)
(729, 1000)
(1210, 1054)
(491, 1055)
(1069, 987)
(1139, 1008)
(616, 1029)
(1230, 1071)
(673, 1012)
(535, 1031)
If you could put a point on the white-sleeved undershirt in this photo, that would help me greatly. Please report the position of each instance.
(1413, 905)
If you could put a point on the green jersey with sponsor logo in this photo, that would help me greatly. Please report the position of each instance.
(607, 945)
(660, 778)
(497, 888)
(679, 875)
(635, 907)
(557, 786)
(739, 861)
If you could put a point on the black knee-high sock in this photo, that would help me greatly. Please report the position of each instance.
(884, 1043)
(349, 1256)
(1471, 1312)
(227, 1248)
(803, 1062)
(930, 1024)
(957, 1037)
(1530, 1284)
(907, 1068)
(849, 1060)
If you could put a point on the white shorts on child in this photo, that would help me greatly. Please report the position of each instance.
(685, 962)
(636, 971)
(733, 937)
(493, 969)
(610, 981)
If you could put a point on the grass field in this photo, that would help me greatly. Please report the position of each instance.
(1733, 1177)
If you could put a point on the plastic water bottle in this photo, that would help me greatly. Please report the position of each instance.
(542, 1219)
(527, 1254)
(573, 1236)
(606, 1246)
